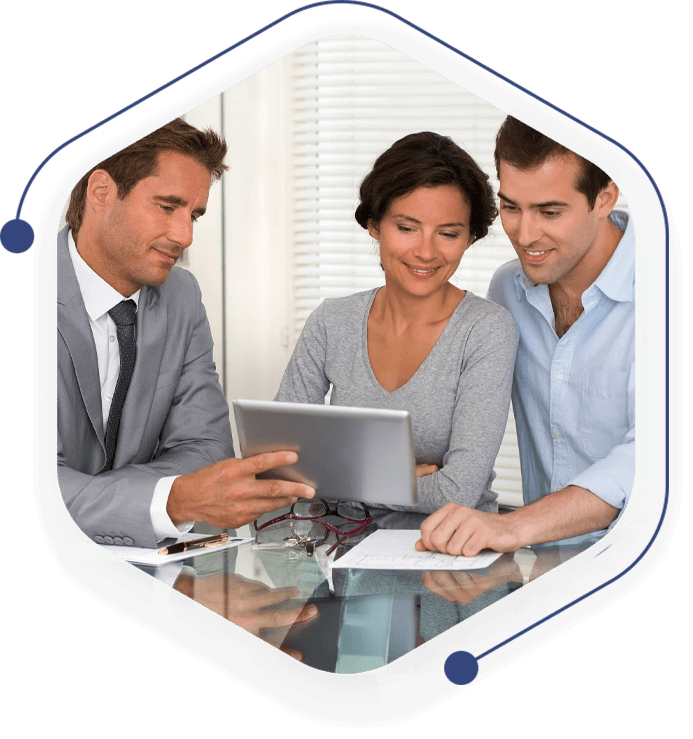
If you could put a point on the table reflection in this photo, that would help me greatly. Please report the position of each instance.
(346, 620)
(266, 612)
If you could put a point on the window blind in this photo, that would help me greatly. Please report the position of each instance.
(352, 98)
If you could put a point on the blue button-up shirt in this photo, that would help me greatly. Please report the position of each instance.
(573, 397)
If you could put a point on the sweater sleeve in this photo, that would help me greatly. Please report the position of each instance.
(305, 379)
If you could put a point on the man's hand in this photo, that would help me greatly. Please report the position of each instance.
(227, 495)
(464, 587)
(251, 605)
(456, 529)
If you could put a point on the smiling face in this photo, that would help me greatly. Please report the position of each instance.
(422, 238)
(556, 235)
(136, 241)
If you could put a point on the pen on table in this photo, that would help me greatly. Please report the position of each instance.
(207, 541)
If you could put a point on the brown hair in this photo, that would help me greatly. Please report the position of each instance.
(139, 160)
(426, 159)
(524, 148)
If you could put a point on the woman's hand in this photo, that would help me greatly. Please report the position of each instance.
(425, 469)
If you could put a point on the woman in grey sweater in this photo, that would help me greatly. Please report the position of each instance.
(420, 343)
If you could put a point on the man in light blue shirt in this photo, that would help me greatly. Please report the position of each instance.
(571, 292)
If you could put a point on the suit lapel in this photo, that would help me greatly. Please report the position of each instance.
(74, 327)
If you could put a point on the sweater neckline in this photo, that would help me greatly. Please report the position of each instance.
(459, 310)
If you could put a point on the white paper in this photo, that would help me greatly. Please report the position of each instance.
(144, 556)
(390, 549)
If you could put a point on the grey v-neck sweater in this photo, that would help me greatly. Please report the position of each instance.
(458, 398)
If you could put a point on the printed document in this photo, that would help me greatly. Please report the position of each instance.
(390, 549)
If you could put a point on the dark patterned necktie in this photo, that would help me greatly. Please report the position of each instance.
(124, 316)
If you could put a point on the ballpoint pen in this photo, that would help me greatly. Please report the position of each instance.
(207, 541)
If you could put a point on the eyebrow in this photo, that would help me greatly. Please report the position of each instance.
(546, 204)
(181, 202)
(414, 220)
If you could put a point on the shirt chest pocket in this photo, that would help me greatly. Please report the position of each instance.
(604, 413)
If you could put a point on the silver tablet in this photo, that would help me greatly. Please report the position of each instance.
(358, 454)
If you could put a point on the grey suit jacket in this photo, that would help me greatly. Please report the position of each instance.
(175, 418)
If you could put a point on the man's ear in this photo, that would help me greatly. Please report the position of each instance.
(373, 230)
(101, 190)
(606, 200)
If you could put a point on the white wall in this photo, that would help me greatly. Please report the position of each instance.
(257, 233)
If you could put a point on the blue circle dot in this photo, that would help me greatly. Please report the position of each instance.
(17, 236)
(461, 668)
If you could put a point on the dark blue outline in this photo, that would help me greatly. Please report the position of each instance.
(555, 108)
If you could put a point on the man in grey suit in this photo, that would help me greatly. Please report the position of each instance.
(144, 442)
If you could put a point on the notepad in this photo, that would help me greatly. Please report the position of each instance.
(390, 549)
(151, 557)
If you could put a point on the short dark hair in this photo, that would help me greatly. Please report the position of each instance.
(426, 159)
(524, 148)
(140, 160)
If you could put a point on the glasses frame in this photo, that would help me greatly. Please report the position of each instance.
(364, 523)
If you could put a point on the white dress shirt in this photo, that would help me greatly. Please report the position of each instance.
(99, 297)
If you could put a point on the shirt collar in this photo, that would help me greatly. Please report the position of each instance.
(616, 280)
(99, 297)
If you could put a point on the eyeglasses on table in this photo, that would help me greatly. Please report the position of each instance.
(303, 526)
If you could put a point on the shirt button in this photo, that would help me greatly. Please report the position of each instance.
(109, 398)
(111, 338)
(557, 433)
(559, 376)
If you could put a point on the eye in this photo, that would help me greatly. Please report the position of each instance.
(450, 235)
(167, 208)
(404, 229)
(551, 213)
(508, 208)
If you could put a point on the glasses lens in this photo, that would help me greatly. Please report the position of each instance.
(307, 529)
(309, 508)
(352, 511)
(292, 534)
(278, 532)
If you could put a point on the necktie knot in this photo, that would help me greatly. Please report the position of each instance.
(124, 314)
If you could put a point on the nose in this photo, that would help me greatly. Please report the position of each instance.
(425, 248)
(181, 231)
(528, 229)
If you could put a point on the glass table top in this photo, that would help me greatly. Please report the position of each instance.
(347, 620)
